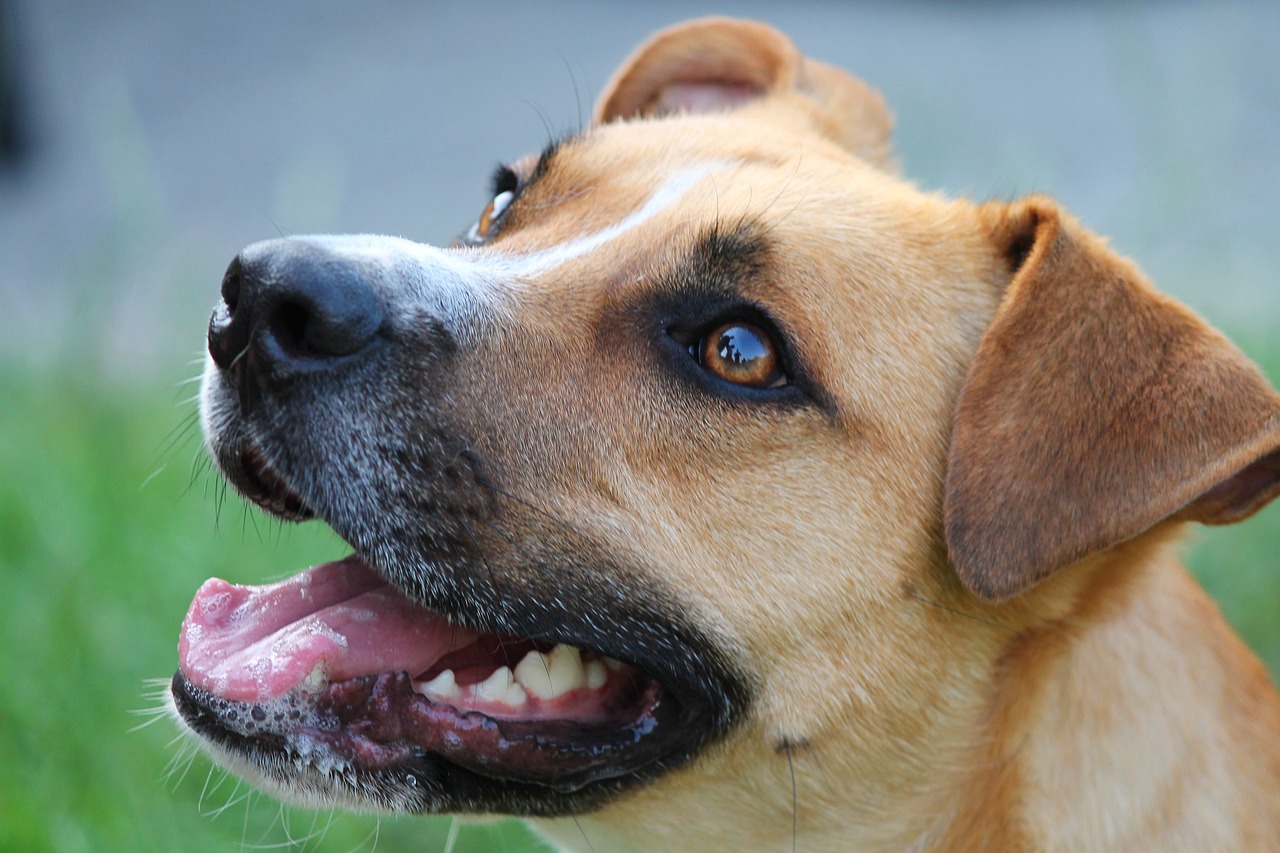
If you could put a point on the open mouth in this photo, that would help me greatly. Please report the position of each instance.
(337, 676)
(335, 657)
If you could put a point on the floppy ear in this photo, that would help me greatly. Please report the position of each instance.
(1094, 409)
(720, 63)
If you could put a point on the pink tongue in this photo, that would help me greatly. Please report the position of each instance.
(253, 643)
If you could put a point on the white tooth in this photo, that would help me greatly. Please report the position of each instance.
(597, 674)
(613, 663)
(534, 672)
(494, 688)
(444, 685)
(515, 695)
(550, 676)
(566, 669)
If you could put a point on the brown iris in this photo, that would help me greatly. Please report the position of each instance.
(742, 354)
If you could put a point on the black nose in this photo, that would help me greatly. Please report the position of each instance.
(292, 307)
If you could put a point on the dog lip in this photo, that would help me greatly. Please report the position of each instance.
(338, 650)
(377, 712)
(365, 734)
(377, 725)
(266, 487)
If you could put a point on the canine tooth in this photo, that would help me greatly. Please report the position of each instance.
(494, 688)
(534, 673)
(444, 685)
(596, 673)
(566, 669)
(549, 676)
(613, 663)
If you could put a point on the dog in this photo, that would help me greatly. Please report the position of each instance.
(719, 490)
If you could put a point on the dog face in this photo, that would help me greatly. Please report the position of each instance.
(694, 451)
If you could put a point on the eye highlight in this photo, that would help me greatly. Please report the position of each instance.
(492, 213)
(506, 186)
(741, 353)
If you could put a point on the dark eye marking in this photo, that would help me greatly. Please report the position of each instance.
(716, 333)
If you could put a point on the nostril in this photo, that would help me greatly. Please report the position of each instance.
(231, 284)
(308, 320)
(229, 329)
(288, 326)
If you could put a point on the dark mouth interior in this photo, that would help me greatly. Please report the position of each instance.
(262, 485)
(336, 662)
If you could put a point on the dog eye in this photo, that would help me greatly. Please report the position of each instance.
(490, 215)
(742, 354)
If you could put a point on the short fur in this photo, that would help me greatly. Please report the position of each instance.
(947, 563)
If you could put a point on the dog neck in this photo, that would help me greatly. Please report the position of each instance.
(1082, 735)
(1056, 735)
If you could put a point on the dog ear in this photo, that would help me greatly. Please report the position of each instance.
(1094, 409)
(717, 64)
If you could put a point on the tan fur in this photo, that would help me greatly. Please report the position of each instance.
(965, 631)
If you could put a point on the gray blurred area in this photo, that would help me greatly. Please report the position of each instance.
(159, 138)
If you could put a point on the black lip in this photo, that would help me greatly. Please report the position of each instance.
(368, 724)
(417, 783)
(264, 486)
(583, 768)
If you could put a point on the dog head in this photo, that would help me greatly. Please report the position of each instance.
(712, 441)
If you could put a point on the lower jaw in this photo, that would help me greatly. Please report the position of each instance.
(378, 730)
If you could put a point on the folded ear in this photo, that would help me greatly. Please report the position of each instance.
(720, 63)
(1094, 409)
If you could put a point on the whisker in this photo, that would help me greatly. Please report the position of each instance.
(452, 838)
(200, 463)
(240, 793)
(583, 833)
(180, 764)
(237, 358)
(962, 613)
(542, 117)
(179, 436)
(155, 714)
(204, 790)
(376, 834)
(501, 492)
(795, 815)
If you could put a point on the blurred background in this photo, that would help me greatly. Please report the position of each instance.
(142, 144)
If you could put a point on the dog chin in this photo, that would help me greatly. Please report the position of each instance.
(294, 782)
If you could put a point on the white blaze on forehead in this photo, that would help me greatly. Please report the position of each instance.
(662, 198)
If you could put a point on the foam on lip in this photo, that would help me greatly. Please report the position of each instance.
(333, 621)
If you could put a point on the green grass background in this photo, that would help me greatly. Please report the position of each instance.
(109, 520)
(106, 529)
